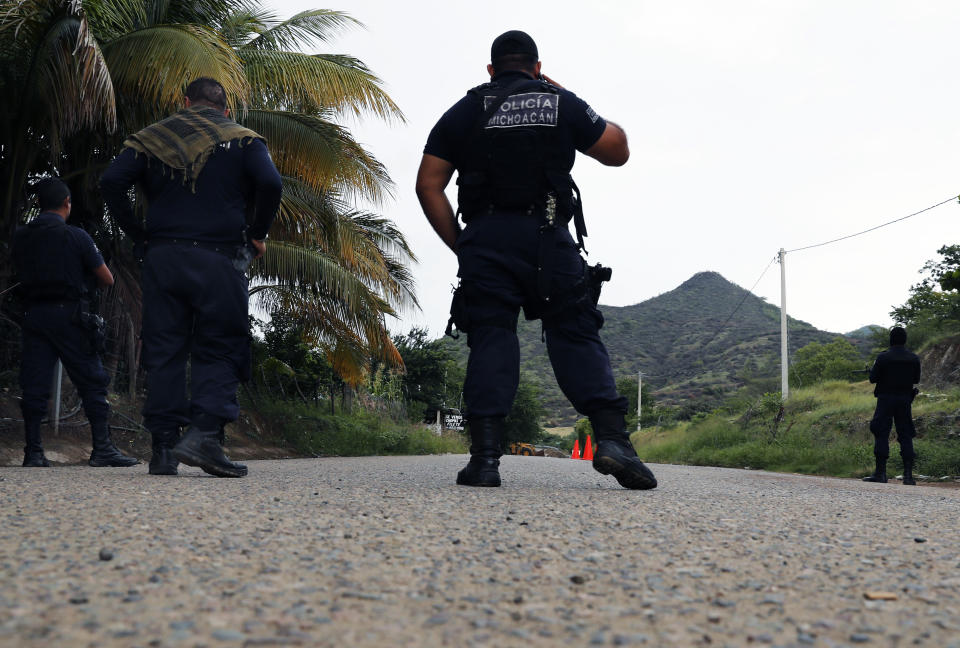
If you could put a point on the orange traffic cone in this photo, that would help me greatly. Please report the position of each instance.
(576, 449)
(588, 450)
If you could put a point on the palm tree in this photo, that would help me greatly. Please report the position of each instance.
(76, 77)
(342, 270)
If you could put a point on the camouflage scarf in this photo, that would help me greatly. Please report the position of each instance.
(184, 141)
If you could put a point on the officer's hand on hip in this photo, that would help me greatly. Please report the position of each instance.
(259, 246)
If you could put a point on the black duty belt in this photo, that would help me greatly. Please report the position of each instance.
(226, 249)
(536, 211)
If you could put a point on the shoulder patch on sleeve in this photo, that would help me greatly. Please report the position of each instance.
(592, 114)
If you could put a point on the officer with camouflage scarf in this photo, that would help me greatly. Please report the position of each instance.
(201, 174)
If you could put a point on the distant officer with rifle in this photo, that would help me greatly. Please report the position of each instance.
(512, 142)
(212, 193)
(896, 372)
(58, 267)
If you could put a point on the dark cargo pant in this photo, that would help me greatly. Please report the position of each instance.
(194, 307)
(498, 257)
(893, 409)
(51, 330)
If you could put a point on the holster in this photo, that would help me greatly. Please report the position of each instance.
(95, 327)
(459, 318)
(596, 275)
(244, 258)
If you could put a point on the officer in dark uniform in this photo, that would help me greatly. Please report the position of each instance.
(895, 372)
(58, 266)
(201, 174)
(512, 142)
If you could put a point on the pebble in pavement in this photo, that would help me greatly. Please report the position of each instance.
(389, 552)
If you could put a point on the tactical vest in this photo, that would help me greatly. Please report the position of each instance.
(48, 267)
(517, 154)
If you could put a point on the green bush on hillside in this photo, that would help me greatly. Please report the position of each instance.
(356, 434)
(824, 430)
(816, 363)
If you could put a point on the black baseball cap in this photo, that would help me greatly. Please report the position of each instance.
(513, 42)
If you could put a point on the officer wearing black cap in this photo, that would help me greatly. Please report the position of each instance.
(202, 175)
(512, 142)
(896, 372)
(57, 267)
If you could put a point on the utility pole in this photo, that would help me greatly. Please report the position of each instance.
(784, 348)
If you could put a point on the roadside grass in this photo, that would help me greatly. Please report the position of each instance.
(824, 430)
(359, 433)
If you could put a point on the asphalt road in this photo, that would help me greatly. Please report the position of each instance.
(387, 551)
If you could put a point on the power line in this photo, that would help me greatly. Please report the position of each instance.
(843, 238)
(745, 296)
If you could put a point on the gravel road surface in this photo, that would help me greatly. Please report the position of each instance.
(387, 551)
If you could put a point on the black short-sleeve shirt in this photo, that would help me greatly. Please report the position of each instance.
(447, 139)
(50, 250)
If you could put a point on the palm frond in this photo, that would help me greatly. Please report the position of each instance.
(239, 27)
(312, 271)
(153, 66)
(302, 30)
(65, 86)
(315, 83)
(110, 19)
(384, 233)
(321, 154)
(365, 244)
(328, 326)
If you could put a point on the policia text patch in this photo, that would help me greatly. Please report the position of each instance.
(529, 109)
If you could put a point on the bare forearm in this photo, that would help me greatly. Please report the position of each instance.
(439, 212)
(432, 179)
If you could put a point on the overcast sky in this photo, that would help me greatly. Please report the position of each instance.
(753, 125)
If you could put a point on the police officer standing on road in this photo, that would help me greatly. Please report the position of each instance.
(57, 266)
(512, 142)
(895, 372)
(201, 173)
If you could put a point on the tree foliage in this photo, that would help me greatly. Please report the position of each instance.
(816, 362)
(627, 387)
(933, 307)
(287, 363)
(77, 77)
(432, 378)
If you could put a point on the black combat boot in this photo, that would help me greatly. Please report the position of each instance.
(615, 454)
(908, 479)
(33, 456)
(105, 454)
(162, 462)
(880, 473)
(201, 448)
(486, 438)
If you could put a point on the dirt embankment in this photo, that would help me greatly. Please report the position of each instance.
(247, 439)
(941, 363)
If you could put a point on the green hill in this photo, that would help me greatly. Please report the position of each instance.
(695, 345)
(865, 332)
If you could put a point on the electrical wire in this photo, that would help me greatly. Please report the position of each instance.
(849, 236)
(745, 296)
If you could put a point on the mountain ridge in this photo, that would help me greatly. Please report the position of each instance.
(696, 344)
